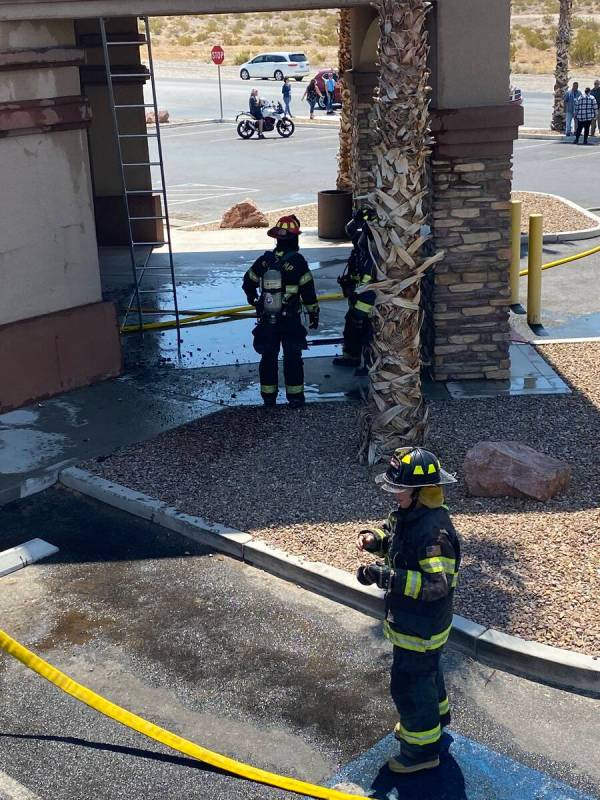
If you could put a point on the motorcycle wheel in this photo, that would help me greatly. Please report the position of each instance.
(245, 129)
(285, 128)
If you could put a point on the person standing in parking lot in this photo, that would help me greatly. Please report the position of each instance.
(596, 94)
(312, 94)
(330, 89)
(571, 97)
(586, 110)
(286, 91)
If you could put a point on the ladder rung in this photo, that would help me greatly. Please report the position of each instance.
(138, 135)
(156, 269)
(141, 164)
(144, 191)
(129, 44)
(145, 75)
(137, 219)
(148, 244)
(136, 105)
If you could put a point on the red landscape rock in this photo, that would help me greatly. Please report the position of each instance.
(163, 116)
(244, 215)
(512, 469)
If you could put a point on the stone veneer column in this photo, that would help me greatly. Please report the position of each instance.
(470, 216)
(362, 85)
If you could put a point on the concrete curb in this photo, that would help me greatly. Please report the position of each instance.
(539, 662)
(569, 236)
(312, 123)
(531, 133)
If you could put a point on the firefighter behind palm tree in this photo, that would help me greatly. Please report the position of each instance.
(359, 272)
(280, 284)
(419, 574)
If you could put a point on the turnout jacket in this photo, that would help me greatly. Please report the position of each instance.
(359, 273)
(422, 548)
(298, 284)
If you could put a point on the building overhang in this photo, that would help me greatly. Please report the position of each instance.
(79, 9)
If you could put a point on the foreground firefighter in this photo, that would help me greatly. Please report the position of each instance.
(279, 283)
(359, 273)
(419, 574)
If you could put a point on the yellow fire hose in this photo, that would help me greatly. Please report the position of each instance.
(172, 740)
(204, 315)
(567, 260)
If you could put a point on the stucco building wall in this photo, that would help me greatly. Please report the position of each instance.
(51, 296)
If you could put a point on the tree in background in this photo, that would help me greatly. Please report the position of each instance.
(563, 43)
(344, 177)
(396, 413)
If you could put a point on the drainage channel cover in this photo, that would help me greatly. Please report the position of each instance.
(24, 554)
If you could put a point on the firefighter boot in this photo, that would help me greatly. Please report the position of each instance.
(346, 361)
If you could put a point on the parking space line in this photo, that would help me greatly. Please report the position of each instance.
(11, 790)
(209, 197)
(587, 154)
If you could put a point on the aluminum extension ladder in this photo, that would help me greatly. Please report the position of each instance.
(140, 251)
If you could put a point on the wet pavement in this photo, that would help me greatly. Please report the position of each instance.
(245, 664)
(216, 367)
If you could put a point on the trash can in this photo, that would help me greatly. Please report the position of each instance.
(334, 211)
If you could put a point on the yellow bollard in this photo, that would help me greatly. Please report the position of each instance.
(534, 267)
(515, 258)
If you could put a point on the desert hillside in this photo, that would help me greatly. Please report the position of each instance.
(244, 35)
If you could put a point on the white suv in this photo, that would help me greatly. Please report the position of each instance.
(276, 65)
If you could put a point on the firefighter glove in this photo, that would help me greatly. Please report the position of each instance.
(370, 541)
(313, 318)
(252, 299)
(375, 573)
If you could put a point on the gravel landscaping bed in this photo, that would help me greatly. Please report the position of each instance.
(290, 477)
(558, 216)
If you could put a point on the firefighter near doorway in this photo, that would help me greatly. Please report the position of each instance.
(420, 552)
(280, 284)
(358, 274)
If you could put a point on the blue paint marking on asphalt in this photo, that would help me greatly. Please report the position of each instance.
(468, 771)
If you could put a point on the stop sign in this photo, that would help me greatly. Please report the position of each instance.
(217, 54)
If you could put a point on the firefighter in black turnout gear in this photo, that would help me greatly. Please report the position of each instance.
(421, 552)
(359, 272)
(279, 284)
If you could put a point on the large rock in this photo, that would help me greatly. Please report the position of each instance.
(163, 116)
(501, 469)
(244, 215)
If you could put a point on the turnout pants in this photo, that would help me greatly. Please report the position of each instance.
(357, 328)
(422, 704)
(289, 334)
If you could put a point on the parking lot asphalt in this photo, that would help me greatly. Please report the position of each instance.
(209, 168)
(242, 663)
(558, 167)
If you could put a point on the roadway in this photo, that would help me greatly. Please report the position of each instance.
(208, 168)
(197, 97)
(244, 664)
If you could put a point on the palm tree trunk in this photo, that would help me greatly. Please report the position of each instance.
(344, 176)
(396, 413)
(563, 43)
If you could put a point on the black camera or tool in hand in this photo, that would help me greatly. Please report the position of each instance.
(313, 319)
(377, 574)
